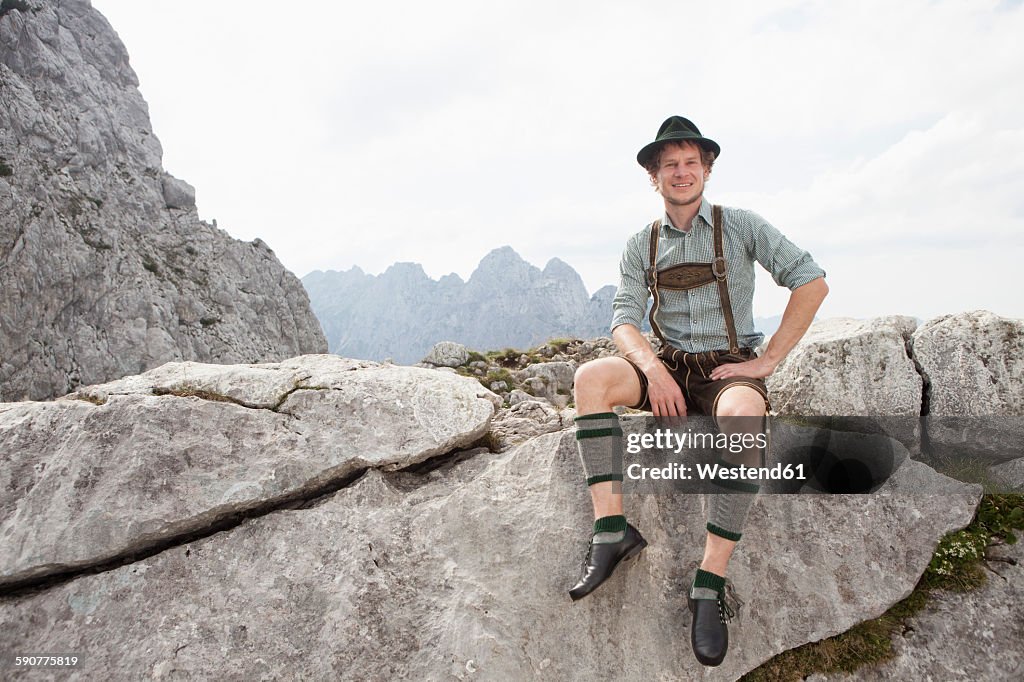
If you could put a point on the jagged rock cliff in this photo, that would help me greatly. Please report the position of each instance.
(105, 268)
(401, 313)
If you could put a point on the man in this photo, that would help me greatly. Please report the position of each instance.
(698, 264)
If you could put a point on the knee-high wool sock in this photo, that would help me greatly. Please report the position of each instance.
(728, 506)
(731, 498)
(599, 438)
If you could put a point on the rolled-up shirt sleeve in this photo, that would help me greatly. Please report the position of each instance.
(789, 265)
(630, 301)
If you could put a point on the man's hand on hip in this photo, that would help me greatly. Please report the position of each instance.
(758, 368)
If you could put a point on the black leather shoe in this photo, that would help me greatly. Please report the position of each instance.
(709, 634)
(603, 558)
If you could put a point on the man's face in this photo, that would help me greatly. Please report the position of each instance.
(680, 178)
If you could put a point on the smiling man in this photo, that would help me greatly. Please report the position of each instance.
(697, 262)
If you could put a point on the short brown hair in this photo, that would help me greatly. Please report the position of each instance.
(707, 157)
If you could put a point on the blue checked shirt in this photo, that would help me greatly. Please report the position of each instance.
(693, 320)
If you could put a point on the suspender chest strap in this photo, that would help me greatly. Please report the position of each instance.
(690, 276)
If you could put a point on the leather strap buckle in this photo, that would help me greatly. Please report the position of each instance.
(718, 267)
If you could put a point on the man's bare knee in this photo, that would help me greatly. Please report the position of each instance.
(740, 401)
(605, 383)
(589, 382)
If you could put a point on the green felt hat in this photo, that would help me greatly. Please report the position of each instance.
(676, 128)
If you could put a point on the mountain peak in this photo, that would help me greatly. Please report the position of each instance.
(502, 254)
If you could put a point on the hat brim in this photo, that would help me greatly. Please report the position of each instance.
(645, 154)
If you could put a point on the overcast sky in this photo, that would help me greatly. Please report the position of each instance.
(885, 137)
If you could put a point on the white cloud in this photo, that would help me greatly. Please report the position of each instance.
(346, 133)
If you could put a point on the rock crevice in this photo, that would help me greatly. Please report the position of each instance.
(138, 472)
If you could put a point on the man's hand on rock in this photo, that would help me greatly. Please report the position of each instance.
(758, 368)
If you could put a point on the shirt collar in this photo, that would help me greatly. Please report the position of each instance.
(703, 212)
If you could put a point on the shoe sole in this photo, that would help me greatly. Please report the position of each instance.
(625, 557)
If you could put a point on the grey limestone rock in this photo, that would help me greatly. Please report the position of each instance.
(446, 579)
(117, 468)
(517, 396)
(974, 363)
(526, 418)
(962, 636)
(106, 269)
(849, 367)
(1010, 474)
(447, 354)
(557, 378)
(178, 193)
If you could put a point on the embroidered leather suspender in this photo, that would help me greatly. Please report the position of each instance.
(690, 276)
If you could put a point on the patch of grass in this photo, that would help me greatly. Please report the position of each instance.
(498, 375)
(475, 357)
(559, 344)
(508, 357)
(968, 470)
(150, 264)
(6, 170)
(208, 321)
(956, 566)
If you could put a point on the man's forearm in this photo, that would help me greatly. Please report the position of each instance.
(634, 346)
(804, 302)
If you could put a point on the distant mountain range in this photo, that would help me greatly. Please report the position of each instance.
(506, 302)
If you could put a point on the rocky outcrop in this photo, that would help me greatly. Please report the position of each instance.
(851, 368)
(105, 268)
(527, 418)
(506, 302)
(123, 467)
(973, 366)
(973, 363)
(430, 557)
(464, 576)
(552, 380)
(988, 621)
(447, 354)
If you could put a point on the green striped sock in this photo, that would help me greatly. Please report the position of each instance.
(609, 529)
(707, 585)
(729, 505)
(599, 439)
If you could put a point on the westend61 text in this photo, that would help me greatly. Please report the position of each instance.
(665, 439)
(710, 472)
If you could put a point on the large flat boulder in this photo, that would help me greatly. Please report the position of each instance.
(848, 367)
(463, 574)
(120, 467)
